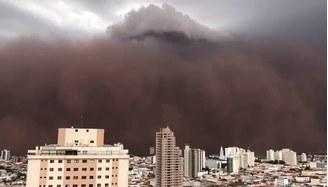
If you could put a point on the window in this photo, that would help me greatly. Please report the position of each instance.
(92, 161)
(84, 169)
(68, 169)
(107, 169)
(74, 185)
(68, 161)
(76, 161)
(84, 161)
(112, 167)
(87, 130)
(41, 168)
(40, 177)
(91, 141)
(50, 185)
(99, 177)
(106, 184)
(106, 176)
(51, 178)
(91, 177)
(52, 161)
(76, 141)
(58, 185)
(75, 177)
(100, 161)
(99, 169)
(76, 169)
(83, 185)
(84, 177)
(60, 169)
(98, 185)
(76, 130)
(90, 185)
(116, 168)
(107, 161)
(60, 161)
(67, 177)
(51, 169)
(92, 169)
(59, 178)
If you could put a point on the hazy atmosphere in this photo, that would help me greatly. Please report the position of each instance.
(221, 73)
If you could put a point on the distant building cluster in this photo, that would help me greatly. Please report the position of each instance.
(81, 159)
(286, 155)
(5, 155)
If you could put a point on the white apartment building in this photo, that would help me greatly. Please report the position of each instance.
(222, 154)
(231, 151)
(169, 163)
(270, 155)
(246, 158)
(79, 159)
(303, 157)
(233, 164)
(278, 155)
(194, 161)
(5, 155)
(289, 157)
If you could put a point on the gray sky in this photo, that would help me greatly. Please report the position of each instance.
(303, 19)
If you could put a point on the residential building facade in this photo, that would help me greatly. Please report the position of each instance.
(169, 163)
(194, 161)
(79, 159)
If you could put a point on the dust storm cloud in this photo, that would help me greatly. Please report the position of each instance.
(263, 94)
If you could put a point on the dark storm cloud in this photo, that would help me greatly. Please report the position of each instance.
(266, 94)
(299, 19)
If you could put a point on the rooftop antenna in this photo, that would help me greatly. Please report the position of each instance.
(82, 121)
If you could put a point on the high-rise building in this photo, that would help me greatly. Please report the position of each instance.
(289, 157)
(246, 158)
(233, 164)
(5, 155)
(251, 158)
(231, 151)
(270, 155)
(222, 157)
(303, 157)
(151, 151)
(79, 159)
(186, 161)
(278, 155)
(194, 161)
(169, 163)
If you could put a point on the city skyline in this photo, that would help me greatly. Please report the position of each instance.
(246, 75)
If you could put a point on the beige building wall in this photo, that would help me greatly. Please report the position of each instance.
(55, 172)
(43, 172)
(85, 166)
(168, 170)
(33, 178)
(104, 171)
(122, 175)
(80, 137)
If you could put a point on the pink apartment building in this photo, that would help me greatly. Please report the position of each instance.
(79, 159)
